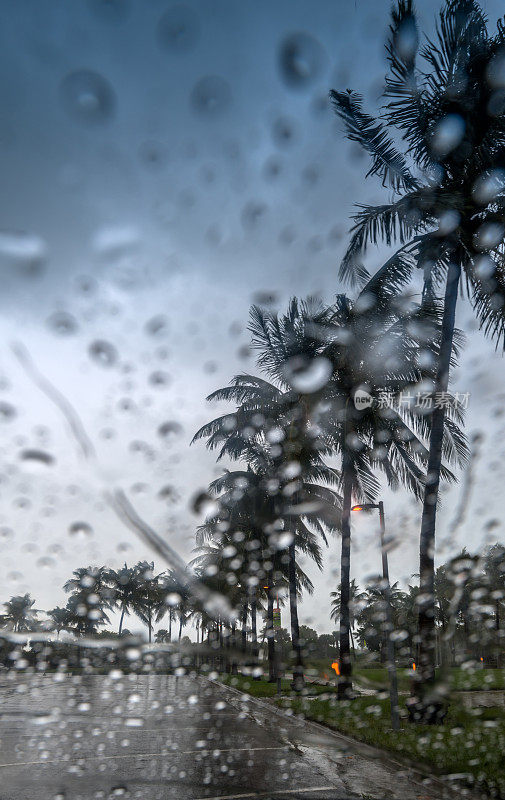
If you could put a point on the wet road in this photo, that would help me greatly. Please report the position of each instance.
(166, 738)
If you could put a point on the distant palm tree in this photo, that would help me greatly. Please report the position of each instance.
(124, 584)
(355, 597)
(61, 618)
(20, 614)
(148, 595)
(91, 596)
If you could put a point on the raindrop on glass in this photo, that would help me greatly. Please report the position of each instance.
(103, 353)
(300, 59)
(211, 96)
(178, 29)
(87, 97)
(308, 375)
(80, 529)
(62, 323)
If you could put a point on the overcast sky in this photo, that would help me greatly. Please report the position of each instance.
(163, 167)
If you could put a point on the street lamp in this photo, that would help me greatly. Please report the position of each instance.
(393, 681)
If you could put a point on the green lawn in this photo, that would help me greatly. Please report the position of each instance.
(469, 744)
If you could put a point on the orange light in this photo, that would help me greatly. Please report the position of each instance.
(336, 667)
(325, 676)
(357, 508)
(414, 666)
(481, 658)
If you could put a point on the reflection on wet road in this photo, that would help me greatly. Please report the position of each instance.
(160, 737)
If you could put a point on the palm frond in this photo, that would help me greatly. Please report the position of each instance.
(387, 162)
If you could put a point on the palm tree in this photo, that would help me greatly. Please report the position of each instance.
(60, 618)
(91, 596)
(355, 598)
(373, 611)
(168, 600)
(449, 216)
(378, 346)
(148, 596)
(275, 524)
(124, 584)
(20, 614)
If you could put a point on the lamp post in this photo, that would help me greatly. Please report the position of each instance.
(390, 647)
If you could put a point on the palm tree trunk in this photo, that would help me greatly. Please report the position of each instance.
(425, 673)
(497, 628)
(245, 611)
(180, 629)
(272, 672)
(121, 620)
(345, 678)
(298, 679)
(254, 630)
(170, 617)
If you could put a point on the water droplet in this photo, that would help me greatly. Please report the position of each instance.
(80, 529)
(103, 353)
(447, 134)
(488, 186)
(211, 96)
(489, 235)
(37, 458)
(178, 29)
(252, 214)
(156, 325)
(23, 250)
(7, 412)
(202, 503)
(87, 97)
(115, 242)
(168, 493)
(159, 379)
(283, 132)
(308, 375)
(300, 59)
(62, 323)
(170, 429)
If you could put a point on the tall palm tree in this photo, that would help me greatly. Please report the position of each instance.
(449, 213)
(148, 595)
(124, 584)
(168, 600)
(378, 345)
(20, 613)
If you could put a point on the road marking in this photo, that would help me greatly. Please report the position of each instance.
(144, 755)
(270, 794)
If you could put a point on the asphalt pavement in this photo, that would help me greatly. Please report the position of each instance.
(159, 737)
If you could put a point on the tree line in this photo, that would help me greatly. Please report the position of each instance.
(95, 592)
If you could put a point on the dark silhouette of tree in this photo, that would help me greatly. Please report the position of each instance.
(20, 614)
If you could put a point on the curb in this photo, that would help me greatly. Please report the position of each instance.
(367, 750)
